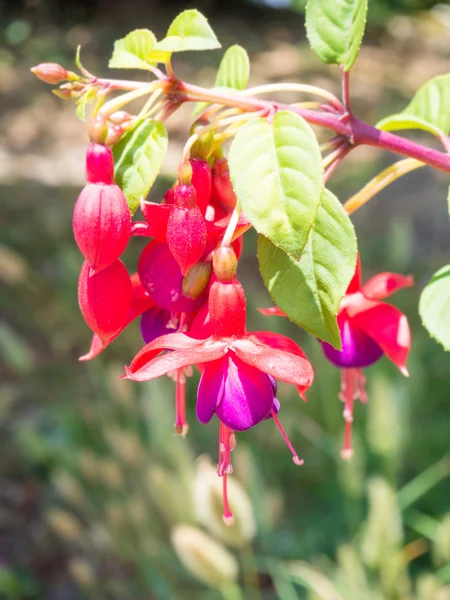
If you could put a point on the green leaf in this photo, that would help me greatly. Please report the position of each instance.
(189, 31)
(234, 69)
(309, 291)
(335, 29)
(82, 103)
(132, 51)
(434, 306)
(428, 110)
(233, 73)
(276, 170)
(138, 157)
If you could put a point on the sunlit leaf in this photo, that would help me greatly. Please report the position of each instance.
(310, 290)
(132, 51)
(434, 306)
(276, 170)
(138, 157)
(428, 110)
(190, 30)
(233, 73)
(335, 29)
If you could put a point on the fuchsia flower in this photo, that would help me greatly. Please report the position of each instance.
(369, 328)
(101, 218)
(238, 369)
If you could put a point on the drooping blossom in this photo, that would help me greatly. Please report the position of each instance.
(238, 369)
(369, 329)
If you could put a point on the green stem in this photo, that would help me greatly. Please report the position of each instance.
(231, 592)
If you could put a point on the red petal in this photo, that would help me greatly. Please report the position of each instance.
(186, 351)
(384, 284)
(186, 236)
(389, 328)
(157, 217)
(355, 283)
(273, 311)
(285, 365)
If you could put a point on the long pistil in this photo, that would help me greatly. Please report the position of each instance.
(295, 457)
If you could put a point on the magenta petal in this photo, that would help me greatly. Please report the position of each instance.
(162, 279)
(210, 389)
(154, 324)
(247, 396)
(358, 349)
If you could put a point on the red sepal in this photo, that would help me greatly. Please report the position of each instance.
(157, 217)
(105, 298)
(185, 351)
(273, 311)
(286, 365)
(222, 184)
(389, 328)
(201, 180)
(355, 283)
(227, 309)
(383, 285)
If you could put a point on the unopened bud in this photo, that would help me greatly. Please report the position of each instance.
(119, 117)
(225, 263)
(196, 279)
(202, 148)
(98, 130)
(63, 93)
(51, 73)
(185, 172)
(203, 557)
(115, 132)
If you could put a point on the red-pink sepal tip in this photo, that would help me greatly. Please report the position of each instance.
(105, 298)
(272, 311)
(140, 302)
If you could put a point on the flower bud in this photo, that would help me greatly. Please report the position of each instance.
(99, 164)
(222, 185)
(185, 173)
(186, 229)
(63, 93)
(225, 263)
(51, 73)
(203, 557)
(202, 147)
(227, 309)
(98, 130)
(196, 279)
(105, 298)
(119, 117)
(101, 224)
(115, 132)
(201, 180)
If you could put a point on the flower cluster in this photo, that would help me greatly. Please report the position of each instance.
(193, 307)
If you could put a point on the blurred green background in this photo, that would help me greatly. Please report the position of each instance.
(96, 493)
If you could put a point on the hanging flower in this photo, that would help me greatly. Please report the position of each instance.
(238, 369)
(369, 329)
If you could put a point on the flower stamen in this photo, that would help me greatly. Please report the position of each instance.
(181, 426)
(297, 460)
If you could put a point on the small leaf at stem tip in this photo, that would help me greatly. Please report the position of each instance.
(138, 157)
(190, 30)
(277, 175)
(434, 306)
(309, 291)
(428, 109)
(233, 73)
(132, 51)
(335, 29)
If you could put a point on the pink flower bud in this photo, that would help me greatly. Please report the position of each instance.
(101, 224)
(186, 229)
(201, 180)
(51, 73)
(227, 308)
(99, 164)
(105, 298)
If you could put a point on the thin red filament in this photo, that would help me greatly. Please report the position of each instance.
(297, 460)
